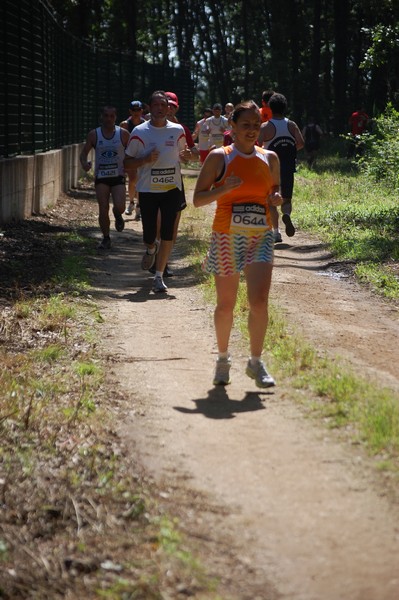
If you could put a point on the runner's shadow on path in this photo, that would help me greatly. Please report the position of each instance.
(218, 405)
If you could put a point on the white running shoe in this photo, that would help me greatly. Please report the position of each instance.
(277, 237)
(129, 209)
(259, 373)
(222, 371)
(159, 286)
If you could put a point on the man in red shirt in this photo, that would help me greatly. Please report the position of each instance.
(358, 121)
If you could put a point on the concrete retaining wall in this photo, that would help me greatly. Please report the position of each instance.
(29, 184)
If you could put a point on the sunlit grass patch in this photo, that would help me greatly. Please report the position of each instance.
(380, 278)
(194, 236)
(50, 353)
(380, 422)
(359, 221)
(23, 309)
(172, 542)
(72, 274)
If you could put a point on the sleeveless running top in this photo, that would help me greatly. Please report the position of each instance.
(283, 144)
(203, 135)
(245, 210)
(131, 125)
(109, 154)
(217, 127)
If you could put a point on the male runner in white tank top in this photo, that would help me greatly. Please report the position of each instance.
(217, 125)
(109, 142)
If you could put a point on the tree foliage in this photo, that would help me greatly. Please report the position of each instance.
(327, 57)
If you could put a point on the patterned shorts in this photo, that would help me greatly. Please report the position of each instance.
(230, 253)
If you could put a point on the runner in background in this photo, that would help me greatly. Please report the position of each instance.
(312, 134)
(135, 118)
(201, 133)
(358, 122)
(217, 126)
(228, 110)
(283, 137)
(109, 142)
(265, 110)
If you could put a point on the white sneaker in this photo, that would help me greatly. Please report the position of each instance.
(129, 209)
(159, 286)
(259, 373)
(277, 237)
(222, 371)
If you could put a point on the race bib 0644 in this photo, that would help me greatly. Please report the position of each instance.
(248, 218)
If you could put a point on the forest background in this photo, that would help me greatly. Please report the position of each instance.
(328, 57)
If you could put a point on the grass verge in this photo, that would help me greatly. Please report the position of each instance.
(359, 221)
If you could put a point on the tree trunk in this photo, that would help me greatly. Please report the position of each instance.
(315, 61)
(341, 15)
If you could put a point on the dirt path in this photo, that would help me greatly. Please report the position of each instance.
(288, 511)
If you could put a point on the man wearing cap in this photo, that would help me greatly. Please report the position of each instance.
(135, 118)
(173, 103)
(217, 126)
(155, 150)
(173, 109)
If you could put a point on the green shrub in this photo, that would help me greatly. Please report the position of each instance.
(381, 158)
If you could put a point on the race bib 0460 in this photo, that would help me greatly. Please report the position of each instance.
(248, 218)
(163, 180)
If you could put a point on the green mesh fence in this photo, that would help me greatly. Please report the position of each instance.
(53, 85)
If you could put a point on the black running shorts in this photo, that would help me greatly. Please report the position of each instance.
(111, 181)
(169, 204)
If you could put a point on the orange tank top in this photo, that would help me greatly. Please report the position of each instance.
(257, 184)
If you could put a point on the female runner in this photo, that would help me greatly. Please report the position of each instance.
(244, 180)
